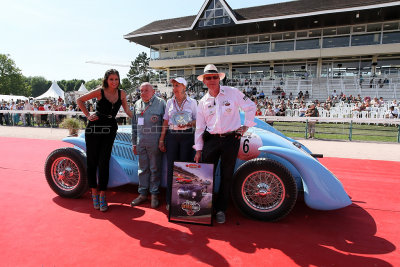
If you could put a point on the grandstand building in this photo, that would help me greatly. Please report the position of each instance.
(305, 45)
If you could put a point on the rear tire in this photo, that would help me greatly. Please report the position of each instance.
(65, 171)
(264, 189)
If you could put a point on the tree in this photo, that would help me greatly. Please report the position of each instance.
(70, 85)
(38, 84)
(11, 79)
(90, 85)
(126, 85)
(140, 71)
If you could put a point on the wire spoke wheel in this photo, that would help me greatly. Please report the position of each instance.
(65, 173)
(65, 170)
(264, 189)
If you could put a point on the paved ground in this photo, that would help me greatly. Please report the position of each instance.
(340, 149)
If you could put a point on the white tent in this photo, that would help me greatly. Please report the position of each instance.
(54, 92)
(72, 96)
(8, 98)
(82, 90)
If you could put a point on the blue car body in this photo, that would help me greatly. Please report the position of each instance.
(322, 190)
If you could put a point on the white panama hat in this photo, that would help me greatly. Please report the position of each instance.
(179, 80)
(211, 69)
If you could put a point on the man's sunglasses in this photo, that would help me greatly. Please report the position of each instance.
(209, 78)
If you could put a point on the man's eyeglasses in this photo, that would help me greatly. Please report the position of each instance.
(209, 78)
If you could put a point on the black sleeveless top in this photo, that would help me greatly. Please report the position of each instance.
(107, 110)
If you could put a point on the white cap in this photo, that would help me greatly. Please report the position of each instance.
(179, 80)
(211, 69)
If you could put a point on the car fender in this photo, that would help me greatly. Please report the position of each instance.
(76, 141)
(265, 126)
(258, 137)
(322, 190)
(122, 171)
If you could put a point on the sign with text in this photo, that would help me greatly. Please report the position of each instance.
(192, 193)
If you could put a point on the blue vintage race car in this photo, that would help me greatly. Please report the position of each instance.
(270, 171)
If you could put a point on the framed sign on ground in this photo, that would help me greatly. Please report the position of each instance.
(192, 193)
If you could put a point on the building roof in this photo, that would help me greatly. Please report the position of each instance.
(269, 12)
(165, 25)
(304, 7)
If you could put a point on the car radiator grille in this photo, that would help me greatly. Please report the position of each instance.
(124, 137)
(123, 152)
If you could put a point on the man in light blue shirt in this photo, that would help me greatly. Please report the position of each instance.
(146, 130)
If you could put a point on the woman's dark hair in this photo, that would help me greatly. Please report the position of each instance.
(107, 74)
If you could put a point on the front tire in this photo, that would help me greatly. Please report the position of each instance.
(65, 170)
(264, 189)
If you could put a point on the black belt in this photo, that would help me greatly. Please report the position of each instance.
(224, 134)
(181, 131)
(104, 116)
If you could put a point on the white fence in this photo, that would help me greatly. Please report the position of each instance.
(370, 120)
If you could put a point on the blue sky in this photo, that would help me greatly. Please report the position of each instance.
(54, 38)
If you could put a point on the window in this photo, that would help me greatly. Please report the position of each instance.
(219, 12)
(276, 36)
(302, 34)
(253, 39)
(241, 71)
(390, 26)
(264, 37)
(343, 30)
(216, 51)
(374, 27)
(391, 37)
(201, 43)
(236, 49)
(288, 35)
(341, 41)
(367, 39)
(315, 33)
(218, 4)
(260, 68)
(209, 14)
(282, 46)
(241, 40)
(219, 21)
(214, 15)
(359, 28)
(307, 44)
(258, 48)
(216, 42)
(330, 31)
(154, 53)
(231, 40)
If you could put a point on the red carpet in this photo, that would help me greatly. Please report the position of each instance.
(38, 228)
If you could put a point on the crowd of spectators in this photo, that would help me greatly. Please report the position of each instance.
(279, 106)
(31, 119)
(266, 106)
(53, 120)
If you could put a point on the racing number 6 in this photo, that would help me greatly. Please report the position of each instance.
(246, 145)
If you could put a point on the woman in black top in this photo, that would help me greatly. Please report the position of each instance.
(101, 131)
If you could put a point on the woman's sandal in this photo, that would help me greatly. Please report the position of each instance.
(103, 203)
(96, 203)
